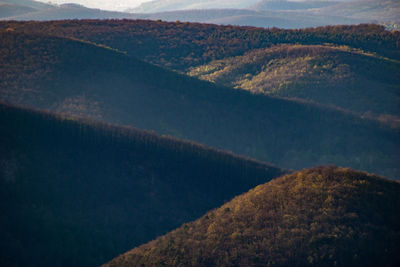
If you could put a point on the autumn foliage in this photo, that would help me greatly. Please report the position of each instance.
(183, 45)
(317, 217)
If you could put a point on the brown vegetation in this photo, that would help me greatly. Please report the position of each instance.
(338, 76)
(183, 45)
(48, 72)
(316, 217)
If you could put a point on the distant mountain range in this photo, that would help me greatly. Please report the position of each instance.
(28, 3)
(174, 5)
(315, 217)
(26, 11)
(275, 13)
(293, 5)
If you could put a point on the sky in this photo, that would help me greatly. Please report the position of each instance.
(119, 5)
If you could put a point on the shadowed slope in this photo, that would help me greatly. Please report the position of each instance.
(49, 73)
(78, 193)
(317, 217)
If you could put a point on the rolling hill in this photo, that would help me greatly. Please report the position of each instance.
(317, 217)
(329, 75)
(78, 193)
(183, 45)
(48, 73)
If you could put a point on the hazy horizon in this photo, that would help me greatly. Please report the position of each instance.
(120, 5)
(115, 5)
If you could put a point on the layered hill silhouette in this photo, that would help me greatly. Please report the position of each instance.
(277, 13)
(330, 75)
(78, 193)
(379, 10)
(7, 9)
(173, 5)
(244, 17)
(48, 73)
(60, 12)
(183, 45)
(269, 13)
(28, 3)
(16, 8)
(324, 12)
(292, 5)
(316, 217)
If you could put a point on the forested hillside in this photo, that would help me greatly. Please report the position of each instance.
(316, 217)
(183, 45)
(49, 73)
(115, 132)
(330, 75)
(78, 193)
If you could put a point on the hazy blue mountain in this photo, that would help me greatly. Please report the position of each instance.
(268, 13)
(10, 8)
(7, 10)
(292, 5)
(69, 11)
(366, 10)
(28, 3)
(170, 5)
(249, 17)
(275, 13)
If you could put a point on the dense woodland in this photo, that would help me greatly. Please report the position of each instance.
(339, 76)
(183, 45)
(78, 193)
(316, 217)
(48, 73)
